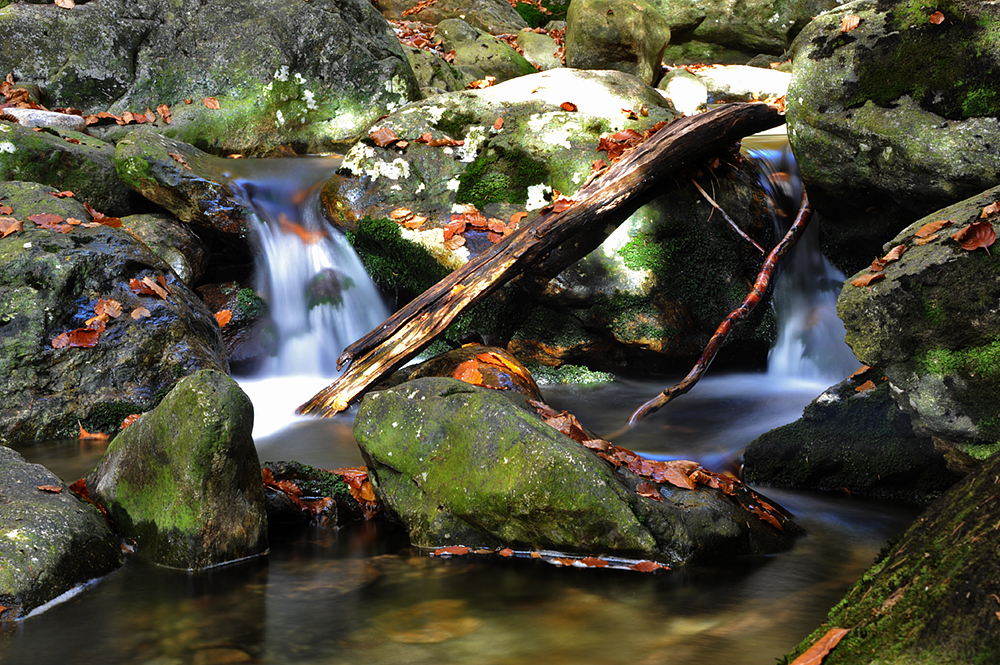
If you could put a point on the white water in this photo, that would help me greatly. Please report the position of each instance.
(300, 257)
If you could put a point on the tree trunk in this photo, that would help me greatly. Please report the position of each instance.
(603, 204)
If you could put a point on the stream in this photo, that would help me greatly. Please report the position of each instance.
(361, 594)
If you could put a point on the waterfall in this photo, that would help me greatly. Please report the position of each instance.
(810, 342)
(320, 296)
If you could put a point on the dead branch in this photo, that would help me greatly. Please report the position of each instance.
(603, 204)
(731, 321)
(729, 219)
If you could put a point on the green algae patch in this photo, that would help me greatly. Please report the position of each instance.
(931, 596)
(402, 268)
(499, 175)
(183, 481)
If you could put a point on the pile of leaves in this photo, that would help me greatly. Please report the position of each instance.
(307, 495)
(420, 35)
(979, 234)
(684, 474)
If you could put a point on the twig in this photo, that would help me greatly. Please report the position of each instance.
(727, 217)
(737, 316)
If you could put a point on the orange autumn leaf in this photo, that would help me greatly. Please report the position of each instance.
(50, 221)
(932, 227)
(498, 124)
(594, 562)
(937, 18)
(867, 385)
(140, 313)
(223, 316)
(109, 307)
(66, 4)
(974, 236)
(469, 372)
(94, 436)
(568, 106)
(81, 338)
(129, 420)
(648, 566)
(506, 552)
(54, 489)
(62, 195)
(516, 218)
(164, 112)
(400, 215)
(815, 654)
(383, 137)
(648, 490)
(990, 210)
(484, 82)
(865, 280)
(849, 23)
(10, 225)
(451, 550)
(861, 370)
(894, 254)
(211, 102)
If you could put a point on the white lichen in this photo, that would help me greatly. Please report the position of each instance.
(473, 142)
(537, 196)
(310, 99)
(7, 146)
(452, 185)
(281, 74)
(300, 79)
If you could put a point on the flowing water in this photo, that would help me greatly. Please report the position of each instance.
(360, 594)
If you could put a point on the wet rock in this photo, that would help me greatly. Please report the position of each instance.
(302, 87)
(603, 34)
(51, 541)
(37, 118)
(857, 442)
(315, 484)
(478, 54)
(49, 284)
(250, 335)
(179, 177)
(460, 464)
(925, 600)
(67, 160)
(894, 119)
(496, 17)
(930, 325)
(174, 242)
(183, 481)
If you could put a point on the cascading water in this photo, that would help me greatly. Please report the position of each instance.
(320, 296)
(810, 343)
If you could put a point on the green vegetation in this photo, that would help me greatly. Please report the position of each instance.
(249, 305)
(499, 175)
(567, 374)
(535, 17)
(402, 268)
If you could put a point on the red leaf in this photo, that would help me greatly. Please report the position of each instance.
(972, 237)
(81, 337)
(506, 552)
(932, 228)
(9, 225)
(568, 106)
(469, 372)
(223, 316)
(648, 566)
(594, 562)
(867, 279)
(817, 652)
(129, 420)
(849, 23)
(383, 137)
(498, 124)
(649, 491)
(937, 18)
(451, 550)
(211, 102)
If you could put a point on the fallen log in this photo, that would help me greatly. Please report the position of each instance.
(730, 322)
(604, 203)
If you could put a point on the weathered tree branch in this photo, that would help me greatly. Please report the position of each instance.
(607, 202)
(731, 321)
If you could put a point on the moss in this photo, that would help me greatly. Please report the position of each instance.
(981, 451)
(643, 253)
(249, 305)
(535, 18)
(499, 175)
(493, 319)
(397, 266)
(628, 316)
(134, 172)
(981, 361)
(934, 313)
(313, 481)
(455, 124)
(567, 374)
(981, 102)
(148, 502)
(107, 417)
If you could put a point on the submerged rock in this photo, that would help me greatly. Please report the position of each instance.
(895, 118)
(50, 284)
(931, 325)
(51, 540)
(183, 481)
(460, 464)
(856, 441)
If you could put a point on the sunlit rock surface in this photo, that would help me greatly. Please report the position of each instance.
(183, 482)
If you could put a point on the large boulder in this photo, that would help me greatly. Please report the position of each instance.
(183, 482)
(930, 597)
(493, 16)
(655, 290)
(893, 119)
(52, 541)
(931, 326)
(174, 242)
(51, 280)
(605, 34)
(458, 464)
(478, 54)
(67, 160)
(312, 75)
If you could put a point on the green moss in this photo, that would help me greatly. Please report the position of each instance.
(249, 305)
(455, 124)
(134, 172)
(150, 502)
(934, 313)
(567, 374)
(535, 18)
(643, 252)
(499, 175)
(981, 102)
(628, 316)
(397, 266)
(561, 329)
(982, 451)
(981, 361)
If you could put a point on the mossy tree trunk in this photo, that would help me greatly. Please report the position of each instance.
(599, 206)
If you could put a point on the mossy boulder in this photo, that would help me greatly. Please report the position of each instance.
(174, 242)
(604, 34)
(52, 540)
(856, 441)
(493, 16)
(894, 119)
(461, 464)
(49, 284)
(931, 326)
(478, 54)
(931, 595)
(183, 482)
(67, 160)
(311, 75)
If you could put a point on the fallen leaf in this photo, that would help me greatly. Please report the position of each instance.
(5, 209)
(179, 158)
(211, 102)
(568, 106)
(498, 124)
(454, 243)
(484, 82)
(164, 112)
(47, 220)
(129, 420)
(10, 225)
(54, 489)
(400, 215)
(139, 313)
(924, 241)
(223, 316)
(972, 237)
(451, 550)
(849, 23)
(867, 385)
(937, 18)
(861, 370)
(815, 654)
(62, 195)
(648, 490)
(81, 338)
(507, 552)
(109, 307)
(383, 137)
(469, 372)
(66, 4)
(867, 279)
(932, 227)
(990, 210)
(98, 436)
(648, 566)
(594, 562)
(516, 218)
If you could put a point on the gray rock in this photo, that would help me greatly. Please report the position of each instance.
(496, 17)
(49, 284)
(931, 327)
(687, 92)
(67, 160)
(435, 74)
(283, 73)
(894, 119)
(183, 481)
(539, 49)
(460, 464)
(174, 242)
(737, 83)
(604, 34)
(51, 541)
(37, 118)
(479, 54)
